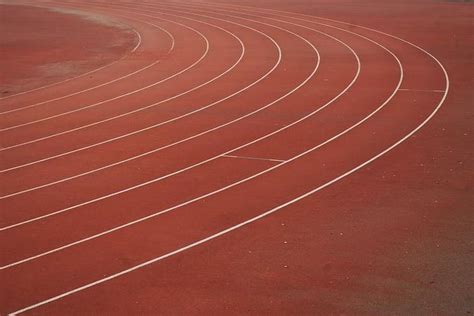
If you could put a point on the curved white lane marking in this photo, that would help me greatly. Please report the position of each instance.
(83, 74)
(190, 167)
(269, 212)
(139, 40)
(83, 90)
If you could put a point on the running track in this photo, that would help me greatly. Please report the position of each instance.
(222, 116)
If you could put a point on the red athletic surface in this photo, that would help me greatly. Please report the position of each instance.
(225, 112)
(39, 46)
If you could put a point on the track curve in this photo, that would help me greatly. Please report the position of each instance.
(286, 134)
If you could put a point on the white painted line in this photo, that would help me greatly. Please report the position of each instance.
(269, 212)
(139, 42)
(195, 165)
(108, 82)
(422, 90)
(81, 91)
(81, 75)
(253, 158)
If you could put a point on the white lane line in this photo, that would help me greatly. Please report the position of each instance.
(127, 94)
(422, 90)
(82, 91)
(84, 74)
(107, 82)
(139, 40)
(265, 214)
(252, 158)
(195, 165)
(104, 101)
(155, 125)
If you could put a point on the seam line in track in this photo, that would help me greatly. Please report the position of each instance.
(423, 90)
(253, 158)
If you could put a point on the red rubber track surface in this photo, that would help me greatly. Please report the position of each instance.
(33, 58)
(299, 158)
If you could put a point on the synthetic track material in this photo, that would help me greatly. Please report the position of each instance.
(258, 110)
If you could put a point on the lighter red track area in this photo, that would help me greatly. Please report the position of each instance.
(224, 158)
